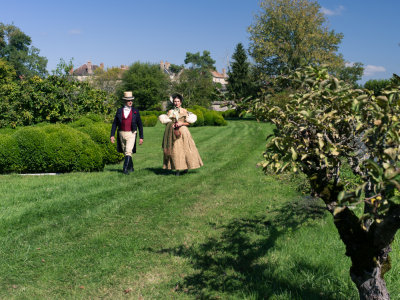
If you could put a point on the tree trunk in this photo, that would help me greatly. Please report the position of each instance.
(371, 285)
(370, 259)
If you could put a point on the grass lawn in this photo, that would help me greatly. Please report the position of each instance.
(224, 231)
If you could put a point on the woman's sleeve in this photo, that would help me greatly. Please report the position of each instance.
(164, 119)
(191, 117)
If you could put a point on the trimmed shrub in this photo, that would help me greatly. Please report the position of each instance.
(200, 108)
(149, 120)
(208, 118)
(31, 144)
(81, 122)
(230, 114)
(218, 119)
(151, 112)
(10, 159)
(49, 148)
(100, 134)
(67, 149)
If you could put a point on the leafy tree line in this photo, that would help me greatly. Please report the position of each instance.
(49, 99)
(16, 49)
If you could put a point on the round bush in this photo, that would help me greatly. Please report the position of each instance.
(151, 112)
(67, 149)
(100, 134)
(81, 122)
(201, 108)
(219, 119)
(209, 118)
(31, 144)
(230, 114)
(149, 120)
(53, 148)
(10, 159)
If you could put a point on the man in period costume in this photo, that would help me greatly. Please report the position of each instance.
(128, 121)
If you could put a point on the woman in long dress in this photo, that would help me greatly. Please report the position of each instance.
(180, 152)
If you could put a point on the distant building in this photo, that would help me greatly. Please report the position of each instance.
(85, 71)
(221, 78)
(165, 67)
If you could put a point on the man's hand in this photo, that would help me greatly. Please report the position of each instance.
(112, 139)
(140, 141)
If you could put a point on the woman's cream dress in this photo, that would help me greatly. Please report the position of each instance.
(180, 153)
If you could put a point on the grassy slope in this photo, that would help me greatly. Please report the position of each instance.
(224, 230)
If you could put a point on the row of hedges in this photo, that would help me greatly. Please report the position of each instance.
(151, 112)
(83, 145)
(57, 148)
(149, 120)
(206, 117)
(230, 114)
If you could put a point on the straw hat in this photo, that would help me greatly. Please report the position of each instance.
(128, 96)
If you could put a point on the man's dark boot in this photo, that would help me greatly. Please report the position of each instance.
(126, 163)
(130, 165)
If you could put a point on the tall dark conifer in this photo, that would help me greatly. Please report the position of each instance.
(239, 73)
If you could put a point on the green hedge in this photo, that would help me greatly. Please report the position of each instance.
(151, 112)
(10, 158)
(100, 134)
(207, 117)
(213, 118)
(49, 148)
(68, 149)
(230, 114)
(149, 120)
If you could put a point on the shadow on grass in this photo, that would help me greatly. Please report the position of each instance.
(161, 171)
(232, 264)
(115, 170)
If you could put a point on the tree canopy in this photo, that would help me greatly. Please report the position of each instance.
(197, 60)
(15, 47)
(239, 73)
(149, 85)
(288, 34)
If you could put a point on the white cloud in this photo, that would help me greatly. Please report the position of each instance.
(75, 32)
(329, 12)
(370, 70)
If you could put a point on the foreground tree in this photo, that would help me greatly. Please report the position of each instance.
(288, 34)
(15, 47)
(147, 82)
(327, 127)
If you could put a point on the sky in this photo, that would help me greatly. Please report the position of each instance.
(123, 32)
